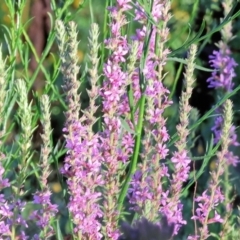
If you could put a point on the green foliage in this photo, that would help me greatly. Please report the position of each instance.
(21, 114)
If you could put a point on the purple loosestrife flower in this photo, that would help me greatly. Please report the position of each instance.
(10, 214)
(222, 80)
(10, 211)
(13, 203)
(218, 123)
(212, 197)
(172, 209)
(4, 182)
(224, 66)
(117, 144)
(6, 212)
(223, 69)
(83, 179)
(221, 61)
(46, 213)
(83, 161)
(145, 192)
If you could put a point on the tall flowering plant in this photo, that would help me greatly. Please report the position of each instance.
(117, 145)
(132, 127)
(224, 131)
(126, 173)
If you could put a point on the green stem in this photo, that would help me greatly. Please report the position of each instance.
(105, 31)
(133, 163)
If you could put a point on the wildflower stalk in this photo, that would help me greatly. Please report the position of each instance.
(15, 13)
(137, 127)
(153, 197)
(131, 70)
(212, 197)
(222, 80)
(157, 102)
(93, 71)
(83, 161)
(117, 143)
(14, 47)
(3, 93)
(146, 191)
(69, 69)
(162, 37)
(227, 36)
(26, 117)
(11, 207)
(46, 139)
(93, 160)
(214, 187)
(25, 156)
(46, 213)
(180, 159)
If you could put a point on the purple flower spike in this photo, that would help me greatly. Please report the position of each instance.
(48, 211)
(223, 73)
(222, 79)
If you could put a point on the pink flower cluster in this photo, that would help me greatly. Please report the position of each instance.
(83, 166)
(223, 69)
(222, 79)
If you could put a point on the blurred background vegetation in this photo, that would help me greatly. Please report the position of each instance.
(188, 16)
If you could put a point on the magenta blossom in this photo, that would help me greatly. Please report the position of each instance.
(223, 73)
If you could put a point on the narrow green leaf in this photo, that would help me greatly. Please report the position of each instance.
(58, 231)
(180, 60)
(126, 126)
